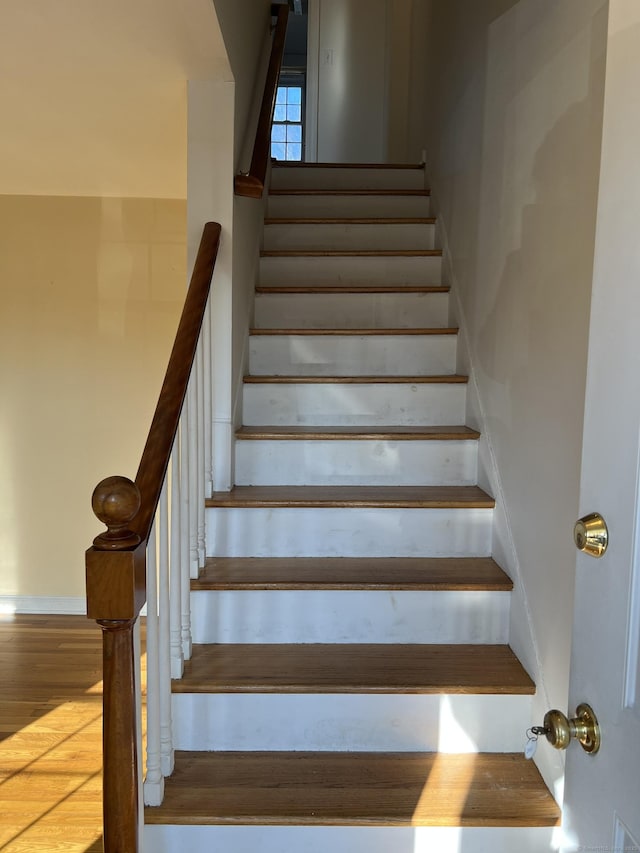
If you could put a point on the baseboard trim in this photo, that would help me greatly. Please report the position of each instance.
(58, 605)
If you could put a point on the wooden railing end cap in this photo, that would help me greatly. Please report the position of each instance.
(248, 186)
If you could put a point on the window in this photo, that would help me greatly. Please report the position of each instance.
(286, 133)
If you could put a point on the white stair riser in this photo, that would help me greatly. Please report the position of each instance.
(334, 722)
(347, 206)
(340, 532)
(350, 616)
(351, 270)
(351, 310)
(292, 177)
(347, 839)
(352, 236)
(355, 463)
(320, 404)
(352, 355)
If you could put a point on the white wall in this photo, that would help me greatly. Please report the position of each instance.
(220, 112)
(93, 97)
(92, 278)
(352, 84)
(512, 124)
(399, 30)
(92, 261)
(91, 291)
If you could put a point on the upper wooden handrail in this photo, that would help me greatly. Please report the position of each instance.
(252, 184)
(116, 564)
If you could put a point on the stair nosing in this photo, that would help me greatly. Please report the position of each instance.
(369, 332)
(290, 164)
(270, 379)
(353, 497)
(319, 668)
(346, 288)
(336, 433)
(350, 220)
(350, 192)
(480, 574)
(351, 253)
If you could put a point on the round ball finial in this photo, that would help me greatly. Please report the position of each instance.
(115, 501)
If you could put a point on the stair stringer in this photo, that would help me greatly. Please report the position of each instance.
(522, 637)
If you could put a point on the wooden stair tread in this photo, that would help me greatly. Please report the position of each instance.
(351, 253)
(348, 192)
(409, 497)
(291, 379)
(355, 332)
(324, 573)
(350, 220)
(345, 288)
(354, 789)
(353, 668)
(291, 164)
(357, 433)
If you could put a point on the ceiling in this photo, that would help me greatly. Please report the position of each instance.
(93, 94)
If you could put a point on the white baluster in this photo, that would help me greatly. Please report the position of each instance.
(208, 402)
(199, 368)
(192, 503)
(175, 581)
(166, 745)
(185, 574)
(154, 780)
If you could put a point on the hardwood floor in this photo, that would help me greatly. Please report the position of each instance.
(50, 735)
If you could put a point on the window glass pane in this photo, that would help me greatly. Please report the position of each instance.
(294, 96)
(281, 95)
(294, 151)
(278, 150)
(293, 113)
(294, 133)
(278, 133)
(280, 113)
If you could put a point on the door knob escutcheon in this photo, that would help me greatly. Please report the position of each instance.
(591, 535)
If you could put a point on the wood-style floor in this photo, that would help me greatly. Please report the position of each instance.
(50, 735)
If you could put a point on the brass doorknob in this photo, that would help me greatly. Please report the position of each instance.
(584, 727)
(591, 535)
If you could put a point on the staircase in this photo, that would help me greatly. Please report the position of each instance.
(351, 687)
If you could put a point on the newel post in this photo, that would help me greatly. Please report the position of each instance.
(115, 594)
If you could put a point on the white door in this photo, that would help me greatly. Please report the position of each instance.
(602, 803)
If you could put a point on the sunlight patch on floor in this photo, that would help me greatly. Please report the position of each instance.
(51, 780)
(441, 779)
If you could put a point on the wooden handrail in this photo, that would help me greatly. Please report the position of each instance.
(116, 564)
(252, 184)
(164, 425)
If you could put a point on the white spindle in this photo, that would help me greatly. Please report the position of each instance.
(199, 368)
(192, 503)
(208, 402)
(166, 745)
(175, 581)
(175, 554)
(185, 574)
(154, 780)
